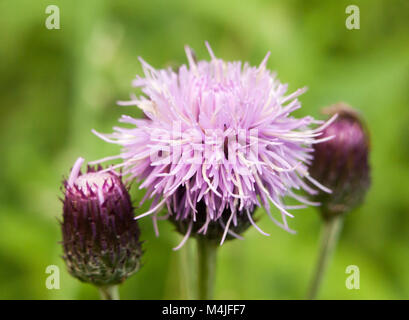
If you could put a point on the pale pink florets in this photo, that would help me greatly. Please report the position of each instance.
(218, 132)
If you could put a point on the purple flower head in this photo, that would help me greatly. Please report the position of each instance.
(342, 163)
(100, 235)
(218, 134)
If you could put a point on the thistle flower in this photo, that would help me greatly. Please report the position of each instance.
(218, 142)
(100, 236)
(342, 163)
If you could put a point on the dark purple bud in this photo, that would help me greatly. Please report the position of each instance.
(100, 235)
(341, 163)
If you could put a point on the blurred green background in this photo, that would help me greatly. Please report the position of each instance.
(56, 85)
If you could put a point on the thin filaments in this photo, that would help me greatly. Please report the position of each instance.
(223, 132)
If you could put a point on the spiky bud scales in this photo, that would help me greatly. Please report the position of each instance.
(100, 236)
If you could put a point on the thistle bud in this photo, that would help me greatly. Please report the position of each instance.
(100, 236)
(341, 163)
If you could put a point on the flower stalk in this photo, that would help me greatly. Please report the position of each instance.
(329, 238)
(207, 256)
(187, 272)
(109, 292)
(341, 164)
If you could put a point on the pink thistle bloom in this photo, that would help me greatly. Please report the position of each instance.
(219, 133)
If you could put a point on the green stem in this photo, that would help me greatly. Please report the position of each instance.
(330, 231)
(186, 271)
(207, 253)
(109, 292)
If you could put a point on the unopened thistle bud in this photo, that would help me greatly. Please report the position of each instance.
(341, 163)
(100, 236)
